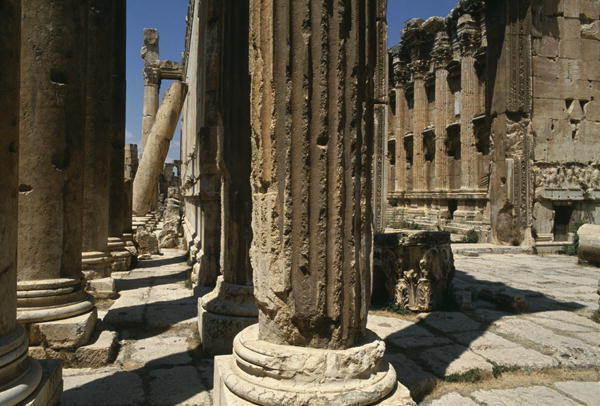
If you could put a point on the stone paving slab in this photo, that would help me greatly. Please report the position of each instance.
(102, 387)
(451, 399)
(178, 386)
(585, 392)
(530, 396)
(450, 360)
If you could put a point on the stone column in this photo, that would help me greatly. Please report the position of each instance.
(20, 375)
(130, 169)
(442, 55)
(468, 35)
(230, 307)
(419, 68)
(312, 138)
(400, 168)
(96, 260)
(49, 274)
(206, 268)
(121, 257)
(150, 55)
(157, 147)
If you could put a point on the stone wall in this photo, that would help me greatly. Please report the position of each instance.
(535, 111)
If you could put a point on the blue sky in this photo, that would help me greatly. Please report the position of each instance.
(168, 16)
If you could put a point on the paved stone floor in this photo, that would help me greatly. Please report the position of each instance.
(547, 356)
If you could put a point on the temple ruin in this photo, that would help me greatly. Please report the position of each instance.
(493, 122)
(348, 222)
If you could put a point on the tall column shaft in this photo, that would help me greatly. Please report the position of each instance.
(230, 307)
(98, 138)
(117, 207)
(312, 137)
(312, 65)
(442, 104)
(419, 124)
(118, 201)
(51, 149)
(469, 105)
(51, 161)
(399, 128)
(151, 103)
(13, 341)
(210, 76)
(157, 148)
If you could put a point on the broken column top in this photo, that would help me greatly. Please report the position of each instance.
(150, 50)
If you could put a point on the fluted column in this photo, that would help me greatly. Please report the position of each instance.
(469, 41)
(230, 307)
(206, 269)
(401, 115)
(118, 204)
(50, 165)
(419, 123)
(20, 375)
(312, 67)
(441, 55)
(97, 140)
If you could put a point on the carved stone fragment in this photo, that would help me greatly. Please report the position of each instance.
(419, 268)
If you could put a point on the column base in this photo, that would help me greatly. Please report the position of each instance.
(68, 333)
(101, 351)
(223, 313)
(96, 264)
(261, 373)
(121, 257)
(49, 391)
(51, 299)
(20, 375)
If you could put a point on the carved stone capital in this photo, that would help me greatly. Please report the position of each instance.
(469, 35)
(419, 68)
(152, 75)
(442, 50)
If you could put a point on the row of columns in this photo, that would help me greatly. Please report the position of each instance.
(470, 102)
(63, 103)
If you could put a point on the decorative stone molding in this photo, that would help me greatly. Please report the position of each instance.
(47, 300)
(270, 374)
(419, 268)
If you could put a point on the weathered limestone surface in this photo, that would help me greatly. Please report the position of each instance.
(96, 261)
(157, 147)
(50, 164)
(20, 375)
(230, 307)
(118, 201)
(312, 138)
(418, 268)
(589, 243)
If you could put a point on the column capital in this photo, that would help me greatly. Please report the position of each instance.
(442, 50)
(151, 75)
(469, 35)
(419, 68)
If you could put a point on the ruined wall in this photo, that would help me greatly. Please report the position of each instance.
(566, 116)
(189, 163)
(542, 92)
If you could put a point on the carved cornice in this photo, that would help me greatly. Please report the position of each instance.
(442, 50)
